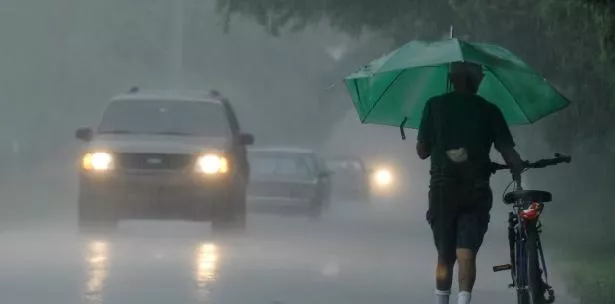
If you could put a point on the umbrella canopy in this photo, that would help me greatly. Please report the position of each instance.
(394, 88)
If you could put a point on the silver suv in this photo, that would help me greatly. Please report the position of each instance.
(165, 155)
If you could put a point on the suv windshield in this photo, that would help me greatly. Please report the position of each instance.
(349, 166)
(264, 164)
(190, 118)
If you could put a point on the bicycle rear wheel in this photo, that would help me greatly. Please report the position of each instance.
(523, 296)
(535, 288)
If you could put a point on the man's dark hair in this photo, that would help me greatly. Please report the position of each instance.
(466, 76)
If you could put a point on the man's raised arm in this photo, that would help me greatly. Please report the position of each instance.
(424, 138)
(504, 143)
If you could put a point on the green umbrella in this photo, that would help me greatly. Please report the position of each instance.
(393, 89)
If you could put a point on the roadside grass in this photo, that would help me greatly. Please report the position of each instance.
(591, 281)
(584, 255)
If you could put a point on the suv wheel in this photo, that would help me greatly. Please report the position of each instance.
(316, 209)
(230, 214)
(95, 213)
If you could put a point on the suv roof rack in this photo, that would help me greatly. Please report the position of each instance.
(217, 95)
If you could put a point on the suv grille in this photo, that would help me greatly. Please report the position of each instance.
(153, 161)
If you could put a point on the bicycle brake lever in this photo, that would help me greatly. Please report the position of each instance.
(564, 158)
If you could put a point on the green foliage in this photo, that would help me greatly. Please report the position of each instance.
(570, 43)
(399, 18)
(592, 280)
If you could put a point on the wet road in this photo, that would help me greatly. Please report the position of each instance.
(353, 255)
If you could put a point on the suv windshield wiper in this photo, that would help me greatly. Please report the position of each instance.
(116, 132)
(174, 133)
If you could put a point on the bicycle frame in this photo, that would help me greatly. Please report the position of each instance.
(532, 283)
(526, 215)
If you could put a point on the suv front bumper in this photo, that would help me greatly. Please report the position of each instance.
(153, 195)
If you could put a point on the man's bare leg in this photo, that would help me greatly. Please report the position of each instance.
(467, 274)
(444, 273)
(444, 279)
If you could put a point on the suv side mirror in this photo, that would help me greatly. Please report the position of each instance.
(246, 139)
(325, 174)
(84, 134)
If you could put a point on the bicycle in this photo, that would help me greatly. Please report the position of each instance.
(527, 261)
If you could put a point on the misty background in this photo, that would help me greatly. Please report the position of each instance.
(281, 63)
(69, 58)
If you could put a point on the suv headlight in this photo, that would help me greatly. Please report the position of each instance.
(212, 164)
(97, 161)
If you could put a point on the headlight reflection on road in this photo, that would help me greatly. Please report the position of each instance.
(97, 259)
(206, 264)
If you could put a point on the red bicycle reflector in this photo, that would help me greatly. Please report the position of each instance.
(532, 212)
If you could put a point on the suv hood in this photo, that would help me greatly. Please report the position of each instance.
(167, 144)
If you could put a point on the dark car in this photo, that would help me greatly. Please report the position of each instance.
(165, 156)
(352, 179)
(287, 179)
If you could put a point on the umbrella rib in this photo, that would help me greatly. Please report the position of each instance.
(383, 93)
(511, 93)
(356, 88)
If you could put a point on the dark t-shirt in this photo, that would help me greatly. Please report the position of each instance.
(459, 120)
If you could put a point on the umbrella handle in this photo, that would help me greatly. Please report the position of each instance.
(401, 128)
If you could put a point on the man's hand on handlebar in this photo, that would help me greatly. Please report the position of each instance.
(514, 161)
(516, 175)
(516, 169)
(527, 165)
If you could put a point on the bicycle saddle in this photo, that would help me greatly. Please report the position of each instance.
(527, 195)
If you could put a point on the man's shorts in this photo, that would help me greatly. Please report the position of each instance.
(459, 213)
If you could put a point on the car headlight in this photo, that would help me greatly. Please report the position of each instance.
(383, 177)
(211, 164)
(97, 161)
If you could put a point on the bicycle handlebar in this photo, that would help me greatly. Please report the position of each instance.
(558, 159)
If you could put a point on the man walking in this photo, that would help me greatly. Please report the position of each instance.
(457, 131)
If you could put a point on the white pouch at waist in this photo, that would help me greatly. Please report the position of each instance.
(457, 155)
